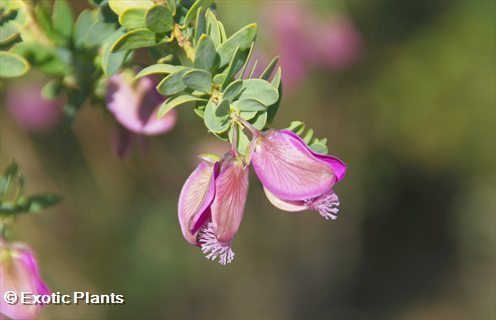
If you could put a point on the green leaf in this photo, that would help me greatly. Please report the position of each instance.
(249, 104)
(213, 28)
(171, 4)
(219, 79)
(12, 65)
(119, 6)
(233, 90)
(247, 61)
(99, 30)
(8, 175)
(297, 127)
(216, 117)
(133, 18)
(8, 32)
(173, 83)
(253, 69)
(200, 26)
(44, 58)
(159, 19)
(14, 18)
(319, 148)
(44, 21)
(206, 55)
(276, 83)
(223, 36)
(259, 120)
(39, 202)
(259, 89)
(137, 38)
(247, 115)
(242, 39)
(308, 136)
(270, 68)
(237, 62)
(174, 102)
(81, 27)
(51, 89)
(198, 80)
(112, 62)
(62, 18)
(158, 69)
(191, 14)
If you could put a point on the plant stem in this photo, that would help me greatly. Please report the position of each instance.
(183, 43)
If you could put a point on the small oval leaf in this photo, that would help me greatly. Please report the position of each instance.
(206, 55)
(12, 65)
(137, 38)
(159, 19)
(174, 102)
(216, 117)
(242, 39)
(199, 80)
(133, 18)
(173, 83)
(249, 104)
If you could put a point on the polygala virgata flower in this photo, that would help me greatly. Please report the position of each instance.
(211, 205)
(31, 110)
(19, 273)
(134, 105)
(294, 177)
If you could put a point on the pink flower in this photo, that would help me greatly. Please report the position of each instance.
(134, 106)
(211, 205)
(291, 25)
(294, 177)
(19, 273)
(340, 44)
(31, 110)
(306, 41)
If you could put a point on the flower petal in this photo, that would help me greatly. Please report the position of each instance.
(136, 107)
(290, 206)
(338, 166)
(19, 273)
(230, 197)
(288, 169)
(196, 196)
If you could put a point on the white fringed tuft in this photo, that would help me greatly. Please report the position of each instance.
(326, 205)
(212, 247)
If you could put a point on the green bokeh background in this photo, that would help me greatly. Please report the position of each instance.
(414, 120)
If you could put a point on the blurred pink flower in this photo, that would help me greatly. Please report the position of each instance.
(290, 25)
(19, 273)
(211, 206)
(31, 110)
(340, 43)
(305, 41)
(294, 177)
(134, 106)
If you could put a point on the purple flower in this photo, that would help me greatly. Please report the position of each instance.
(134, 106)
(291, 23)
(31, 110)
(211, 205)
(294, 177)
(19, 273)
(340, 44)
(305, 41)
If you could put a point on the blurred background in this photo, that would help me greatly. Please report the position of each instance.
(404, 92)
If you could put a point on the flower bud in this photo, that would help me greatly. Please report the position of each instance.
(19, 273)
